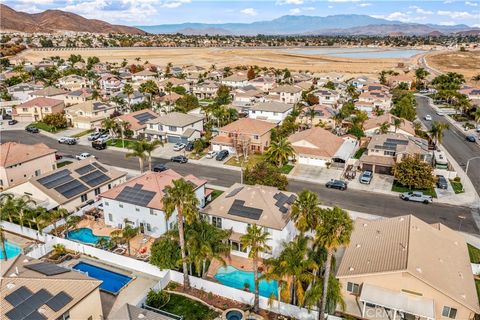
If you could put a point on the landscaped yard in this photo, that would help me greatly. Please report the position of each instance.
(477, 285)
(359, 153)
(457, 186)
(252, 159)
(45, 127)
(188, 308)
(397, 187)
(474, 254)
(286, 168)
(119, 144)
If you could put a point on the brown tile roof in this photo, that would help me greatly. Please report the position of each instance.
(381, 160)
(48, 92)
(375, 122)
(287, 89)
(435, 254)
(271, 106)
(177, 119)
(249, 126)
(413, 146)
(134, 123)
(316, 141)
(40, 102)
(12, 152)
(155, 182)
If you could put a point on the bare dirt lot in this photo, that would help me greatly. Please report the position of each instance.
(466, 63)
(222, 57)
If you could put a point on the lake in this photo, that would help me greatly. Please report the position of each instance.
(360, 53)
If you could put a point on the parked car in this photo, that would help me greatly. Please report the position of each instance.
(58, 157)
(478, 128)
(99, 145)
(211, 154)
(222, 155)
(84, 155)
(189, 146)
(471, 138)
(103, 138)
(416, 196)
(179, 159)
(94, 136)
(442, 182)
(32, 130)
(428, 117)
(337, 184)
(12, 122)
(159, 167)
(366, 177)
(178, 146)
(67, 140)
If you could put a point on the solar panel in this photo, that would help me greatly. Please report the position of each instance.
(96, 164)
(35, 315)
(144, 117)
(94, 178)
(397, 141)
(135, 196)
(28, 308)
(55, 179)
(18, 296)
(283, 199)
(59, 301)
(239, 209)
(85, 169)
(47, 269)
(234, 192)
(71, 188)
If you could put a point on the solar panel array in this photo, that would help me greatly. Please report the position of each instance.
(94, 178)
(55, 179)
(25, 303)
(283, 199)
(239, 209)
(144, 117)
(47, 269)
(71, 189)
(391, 144)
(234, 192)
(85, 169)
(135, 196)
(96, 164)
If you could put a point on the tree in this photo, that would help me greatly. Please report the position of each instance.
(311, 99)
(265, 174)
(356, 131)
(55, 120)
(436, 131)
(180, 198)
(149, 87)
(404, 107)
(165, 252)
(110, 125)
(448, 81)
(397, 122)
(128, 91)
(251, 74)
(256, 240)
(279, 151)
(7, 207)
(306, 211)
(187, 103)
(223, 95)
(138, 150)
(413, 172)
(476, 115)
(149, 147)
(329, 85)
(125, 234)
(333, 232)
(421, 74)
(476, 78)
(384, 127)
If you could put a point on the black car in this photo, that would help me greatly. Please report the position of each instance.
(12, 122)
(337, 184)
(189, 146)
(99, 145)
(442, 182)
(221, 155)
(32, 129)
(159, 167)
(179, 159)
(471, 138)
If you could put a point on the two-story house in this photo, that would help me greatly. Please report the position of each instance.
(36, 109)
(78, 96)
(311, 116)
(287, 93)
(140, 202)
(138, 120)
(88, 115)
(237, 80)
(21, 92)
(49, 92)
(175, 127)
(144, 75)
(110, 83)
(205, 90)
(372, 126)
(263, 83)
(74, 82)
(327, 96)
(270, 111)
(369, 101)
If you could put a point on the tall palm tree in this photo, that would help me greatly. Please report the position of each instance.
(421, 74)
(397, 122)
(138, 149)
(7, 207)
(476, 115)
(333, 231)
(306, 211)
(128, 91)
(3, 240)
(310, 113)
(22, 205)
(180, 197)
(125, 234)
(110, 125)
(149, 147)
(436, 131)
(279, 151)
(384, 127)
(256, 240)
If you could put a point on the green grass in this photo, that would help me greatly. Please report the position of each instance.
(63, 164)
(457, 186)
(286, 168)
(45, 127)
(83, 133)
(474, 253)
(216, 194)
(359, 153)
(397, 187)
(118, 143)
(252, 159)
(188, 308)
(477, 285)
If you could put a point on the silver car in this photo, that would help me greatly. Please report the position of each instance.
(416, 196)
(366, 177)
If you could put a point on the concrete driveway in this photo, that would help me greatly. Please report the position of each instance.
(315, 173)
(380, 183)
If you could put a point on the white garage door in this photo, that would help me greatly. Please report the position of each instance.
(312, 161)
(218, 147)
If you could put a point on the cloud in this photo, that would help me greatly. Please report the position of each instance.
(249, 12)
(400, 16)
(174, 4)
(295, 11)
(363, 5)
(472, 4)
(458, 14)
(295, 2)
(343, 0)
(330, 7)
(420, 10)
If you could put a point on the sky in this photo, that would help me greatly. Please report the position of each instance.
(154, 12)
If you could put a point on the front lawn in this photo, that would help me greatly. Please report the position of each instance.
(83, 133)
(397, 187)
(45, 127)
(252, 160)
(119, 144)
(188, 308)
(457, 186)
(474, 254)
(477, 285)
(286, 169)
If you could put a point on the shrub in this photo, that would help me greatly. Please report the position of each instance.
(157, 299)
(457, 179)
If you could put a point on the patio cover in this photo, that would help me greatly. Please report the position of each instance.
(346, 150)
(400, 301)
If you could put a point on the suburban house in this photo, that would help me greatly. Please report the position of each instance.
(384, 150)
(78, 96)
(205, 90)
(19, 162)
(244, 135)
(369, 101)
(36, 109)
(110, 83)
(243, 205)
(287, 93)
(247, 96)
(33, 289)
(138, 120)
(372, 126)
(165, 84)
(327, 96)
(139, 201)
(22, 91)
(144, 75)
(72, 186)
(237, 80)
(73, 82)
(49, 92)
(175, 127)
(405, 268)
(319, 147)
(88, 115)
(270, 111)
(394, 81)
(134, 98)
(321, 114)
(263, 83)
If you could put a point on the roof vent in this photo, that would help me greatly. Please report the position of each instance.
(460, 275)
(141, 316)
(13, 275)
(455, 243)
(368, 261)
(464, 296)
(351, 269)
(10, 286)
(404, 247)
(419, 270)
(358, 245)
(440, 260)
(401, 219)
(42, 310)
(365, 224)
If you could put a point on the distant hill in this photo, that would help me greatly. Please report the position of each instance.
(51, 21)
(351, 24)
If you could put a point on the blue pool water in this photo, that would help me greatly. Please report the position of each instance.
(112, 282)
(232, 277)
(12, 250)
(84, 235)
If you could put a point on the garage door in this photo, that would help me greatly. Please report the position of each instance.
(312, 161)
(383, 169)
(173, 139)
(367, 167)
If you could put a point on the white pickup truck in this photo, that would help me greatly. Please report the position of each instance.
(416, 196)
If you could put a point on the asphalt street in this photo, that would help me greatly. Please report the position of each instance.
(367, 202)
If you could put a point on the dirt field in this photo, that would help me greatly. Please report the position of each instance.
(466, 63)
(230, 57)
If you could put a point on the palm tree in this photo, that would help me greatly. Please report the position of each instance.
(111, 125)
(125, 234)
(421, 74)
(3, 240)
(180, 197)
(310, 113)
(256, 240)
(436, 131)
(7, 206)
(128, 91)
(384, 127)
(397, 122)
(333, 231)
(306, 211)
(279, 151)
(476, 115)
(22, 205)
(138, 150)
(149, 147)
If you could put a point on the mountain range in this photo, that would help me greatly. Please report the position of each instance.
(51, 21)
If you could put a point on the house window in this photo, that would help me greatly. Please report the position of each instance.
(149, 227)
(37, 173)
(449, 312)
(120, 205)
(255, 136)
(109, 186)
(353, 288)
(172, 128)
(1, 182)
(275, 113)
(25, 109)
(137, 209)
(152, 212)
(110, 217)
(217, 222)
(106, 204)
(66, 316)
(151, 126)
(388, 153)
(97, 191)
(84, 197)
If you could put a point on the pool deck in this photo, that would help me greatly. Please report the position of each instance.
(98, 227)
(240, 263)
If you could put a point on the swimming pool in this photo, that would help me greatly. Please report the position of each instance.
(112, 282)
(12, 250)
(232, 277)
(84, 235)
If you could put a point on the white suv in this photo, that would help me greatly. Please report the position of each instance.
(84, 155)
